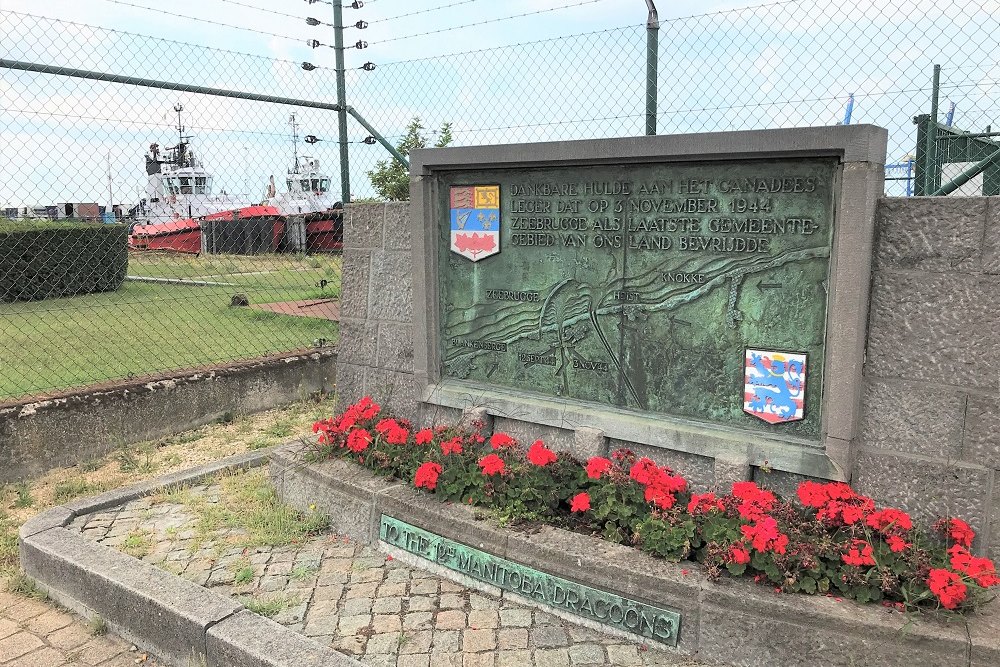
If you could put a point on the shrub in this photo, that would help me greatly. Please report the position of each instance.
(832, 539)
(48, 260)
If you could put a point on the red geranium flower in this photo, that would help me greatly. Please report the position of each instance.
(358, 440)
(755, 502)
(427, 476)
(897, 544)
(859, 554)
(393, 432)
(367, 408)
(644, 471)
(981, 569)
(492, 464)
(498, 440)
(540, 455)
(660, 497)
(739, 555)
(423, 437)
(888, 519)
(956, 530)
(580, 503)
(453, 446)
(704, 503)
(948, 587)
(764, 535)
(597, 466)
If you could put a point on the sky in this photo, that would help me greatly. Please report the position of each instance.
(567, 69)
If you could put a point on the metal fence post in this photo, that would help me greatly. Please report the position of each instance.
(652, 55)
(338, 47)
(930, 154)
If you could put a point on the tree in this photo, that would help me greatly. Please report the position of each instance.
(390, 179)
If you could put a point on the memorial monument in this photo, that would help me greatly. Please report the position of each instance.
(702, 293)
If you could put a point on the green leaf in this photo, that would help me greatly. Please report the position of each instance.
(736, 569)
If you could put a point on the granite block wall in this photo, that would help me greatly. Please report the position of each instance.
(376, 326)
(929, 433)
(931, 398)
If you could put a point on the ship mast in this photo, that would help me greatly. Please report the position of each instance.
(183, 154)
(295, 143)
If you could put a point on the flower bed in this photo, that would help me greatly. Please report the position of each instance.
(832, 541)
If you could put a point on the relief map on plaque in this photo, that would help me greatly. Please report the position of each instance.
(644, 287)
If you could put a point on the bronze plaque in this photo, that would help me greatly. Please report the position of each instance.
(640, 286)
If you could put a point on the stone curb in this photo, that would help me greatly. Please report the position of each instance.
(729, 621)
(173, 618)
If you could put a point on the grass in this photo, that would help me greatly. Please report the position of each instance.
(97, 626)
(70, 489)
(244, 575)
(137, 543)
(22, 584)
(301, 572)
(8, 542)
(250, 504)
(24, 498)
(129, 459)
(267, 606)
(146, 328)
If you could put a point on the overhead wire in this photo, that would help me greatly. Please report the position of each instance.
(154, 37)
(263, 9)
(485, 22)
(422, 11)
(202, 20)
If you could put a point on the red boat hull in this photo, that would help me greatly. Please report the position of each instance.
(248, 230)
(177, 236)
(325, 231)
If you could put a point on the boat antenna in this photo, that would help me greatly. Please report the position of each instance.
(183, 154)
(295, 143)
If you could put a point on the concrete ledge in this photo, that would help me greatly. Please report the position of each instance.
(248, 640)
(117, 497)
(57, 517)
(728, 622)
(114, 413)
(349, 504)
(141, 602)
(173, 618)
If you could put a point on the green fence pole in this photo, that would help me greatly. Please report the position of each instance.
(652, 56)
(930, 154)
(338, 47)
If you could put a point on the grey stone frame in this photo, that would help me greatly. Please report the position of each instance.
(861, 151)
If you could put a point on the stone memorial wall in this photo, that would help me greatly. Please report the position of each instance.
(702, 300)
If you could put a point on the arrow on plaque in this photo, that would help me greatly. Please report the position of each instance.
(761, 285)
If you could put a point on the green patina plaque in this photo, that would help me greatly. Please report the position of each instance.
(670, 288)
(609, 609)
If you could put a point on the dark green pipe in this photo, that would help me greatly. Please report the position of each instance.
(338, 48)
(930, 154)
(652, 57)
(163, 85)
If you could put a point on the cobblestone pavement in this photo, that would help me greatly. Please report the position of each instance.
(358, 600)
(36, 633)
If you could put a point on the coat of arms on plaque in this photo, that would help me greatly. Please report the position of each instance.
(774, 385)
(475, 220)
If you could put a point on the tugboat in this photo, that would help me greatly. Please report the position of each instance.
(179, 199)
(308, 198)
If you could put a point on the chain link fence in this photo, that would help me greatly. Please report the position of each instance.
(225, 198)
(226, 228)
